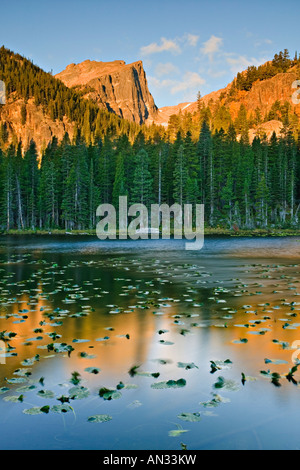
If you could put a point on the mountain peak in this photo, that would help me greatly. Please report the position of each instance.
(116, 86)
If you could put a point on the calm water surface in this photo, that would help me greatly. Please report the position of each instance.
(149, 318)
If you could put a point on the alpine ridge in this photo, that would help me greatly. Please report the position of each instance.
(115, 86)
(267, 104)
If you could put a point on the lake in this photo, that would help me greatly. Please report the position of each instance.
(142, 345)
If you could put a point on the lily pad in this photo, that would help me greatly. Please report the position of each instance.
(99, 419)
(86, 355)
(170, 384)
(108, 394)
(226, 384)
(177, 432)
(92, 370)
(17, 380)
(275, 361)
(191, 417)
(187, 365)
(36, 410)
(14, 399)
(215, 401)
(78, 393)
(61, 408)
(46, 394)
(238, 341)
(26, 388)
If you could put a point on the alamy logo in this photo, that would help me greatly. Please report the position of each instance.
(143, 223)
(2, 92)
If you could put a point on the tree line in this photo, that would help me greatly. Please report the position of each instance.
(241, 184)
(281, 63)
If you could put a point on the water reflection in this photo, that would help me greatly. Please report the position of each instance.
(156, 309)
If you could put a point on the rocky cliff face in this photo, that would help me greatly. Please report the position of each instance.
(265, 93)
(37, 125)
(118, 87)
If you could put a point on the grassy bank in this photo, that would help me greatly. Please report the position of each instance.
(209, 231)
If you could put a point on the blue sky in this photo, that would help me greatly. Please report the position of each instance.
(186, 46)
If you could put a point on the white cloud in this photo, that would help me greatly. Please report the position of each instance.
(165, 45)
(166, 69)
(211, 46)
(216, 73)
(238, 63)
(263, 42)
(157, 83)
(171, 45)
(191, 81)
(192, 39)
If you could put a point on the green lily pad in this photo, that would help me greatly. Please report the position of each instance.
(238, 341)
(46, 394)
(191, 417)
(187, 365)
(170, 384)
(61, 408)
(26, 388)
(99, 419)
(22, 372)
(45, 409)
(226, 384)
(17, 380)
(108, 394)
(36, 410)
(215, 401)
(177, 432)
(275, 361)
(86, 355)
(78, 393)
(14, 399)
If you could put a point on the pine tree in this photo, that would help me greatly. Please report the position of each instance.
(119, 188)
(20, 188)
(31, 175)
(227, 198)
(7, 202)
(180, 177)
(261, 199)
(142, 180)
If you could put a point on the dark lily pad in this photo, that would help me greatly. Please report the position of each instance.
(108, 394)
(170, 384)
(92, 370)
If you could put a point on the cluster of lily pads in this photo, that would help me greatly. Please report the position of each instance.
(199, 290)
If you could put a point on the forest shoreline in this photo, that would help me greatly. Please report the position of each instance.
(208, 232)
